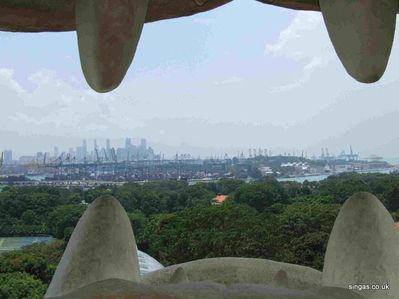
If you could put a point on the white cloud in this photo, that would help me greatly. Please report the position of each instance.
(7, 80)
(303, 38)
(305, 41)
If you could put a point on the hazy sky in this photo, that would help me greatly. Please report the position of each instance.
(244, 75)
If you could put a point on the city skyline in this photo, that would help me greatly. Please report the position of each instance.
(86, 149)
(130, 147)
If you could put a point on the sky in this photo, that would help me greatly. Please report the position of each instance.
(245, 75)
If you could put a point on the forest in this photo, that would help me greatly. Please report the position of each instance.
(175, 222)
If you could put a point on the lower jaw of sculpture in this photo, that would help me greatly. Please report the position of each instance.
(116, 288)
(100, 261)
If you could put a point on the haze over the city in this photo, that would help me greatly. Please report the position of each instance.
(245, 75)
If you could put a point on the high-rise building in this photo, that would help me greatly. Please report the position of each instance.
(108, 145)
(143, 143)
(128, 143)
(79, 153)
(84, 148)
(55, 153)
(7, 157)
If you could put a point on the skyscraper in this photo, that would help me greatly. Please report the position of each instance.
(128, 143)
(55, 153)
(143, 143)
(7, 156)
(84, 148)
(108, 145)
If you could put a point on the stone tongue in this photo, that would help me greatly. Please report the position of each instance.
(362, 33)
(108, 33)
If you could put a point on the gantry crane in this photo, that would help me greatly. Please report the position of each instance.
(105, 155)
(97, 156)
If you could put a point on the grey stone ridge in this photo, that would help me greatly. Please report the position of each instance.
(59, 15)
(121, 289)
(230, 270)
(100, 261)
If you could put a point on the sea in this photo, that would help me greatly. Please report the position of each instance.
(320, 177)
(13, 243)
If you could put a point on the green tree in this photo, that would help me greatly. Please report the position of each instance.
(303, 231)
(203, 232)
(260, 195)
(38, 260)
(64, 217)
(199, 195)
(392, 198)
(139, 222)
(19, 285)
(343, 186)
(227, 186)
(29, 217)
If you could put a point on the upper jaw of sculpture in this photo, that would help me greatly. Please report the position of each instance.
(361, 31)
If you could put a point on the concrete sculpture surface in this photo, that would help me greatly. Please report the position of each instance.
(361, 31)
(363, 248)
(230, 271)
(101, 260)
(100, 248)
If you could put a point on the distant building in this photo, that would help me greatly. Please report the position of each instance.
(39, 156)
(143, 143)
(121, 154)
(84, 148)
(108, 145)
(218, 200)
(80, 153)
(128, 143)
(265, 170)
(55, 152)
(7, 157)
(26, 159)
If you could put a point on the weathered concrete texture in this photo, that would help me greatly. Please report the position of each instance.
(296, 4)
(362, 33)
(121, 289)
(363, 248)
(59, 15)
(230, 270)
(108, 33)
(179, 276)
(101, 247)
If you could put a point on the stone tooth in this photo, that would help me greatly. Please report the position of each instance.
(362, 33)
(108, 33)
(363, 248)
(102, 246)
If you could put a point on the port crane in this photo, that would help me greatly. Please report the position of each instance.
(105, 155)
(97, 156)
(114, 156)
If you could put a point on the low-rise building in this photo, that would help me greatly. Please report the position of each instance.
(218, 200)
